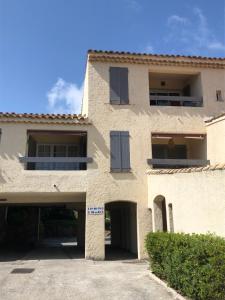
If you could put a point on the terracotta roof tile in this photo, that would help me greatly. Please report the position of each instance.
(215, 117)
(29, 117)
(186, 170)
(157, 55)
(157, 59)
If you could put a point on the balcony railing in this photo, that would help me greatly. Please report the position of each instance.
(161, 162)
(176, 101)
(55, 163)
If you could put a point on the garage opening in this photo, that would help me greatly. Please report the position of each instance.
(120, 230)
(53, 230)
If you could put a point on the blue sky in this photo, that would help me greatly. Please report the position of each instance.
(43, 43)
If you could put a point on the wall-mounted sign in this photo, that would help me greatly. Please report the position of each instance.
(95, 210)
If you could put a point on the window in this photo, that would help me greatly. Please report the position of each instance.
(219, 95)
(169, 151)
(118, 80)
(120, 151)
(59, 150)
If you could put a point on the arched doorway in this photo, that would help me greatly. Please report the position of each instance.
(121, 230)
(160, 218)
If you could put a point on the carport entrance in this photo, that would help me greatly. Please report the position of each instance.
(25, 226)
(120, 230)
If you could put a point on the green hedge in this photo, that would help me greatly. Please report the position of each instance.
(192, 264)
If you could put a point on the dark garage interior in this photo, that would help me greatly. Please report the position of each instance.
(54, 227)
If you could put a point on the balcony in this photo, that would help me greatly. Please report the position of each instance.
(178, 151)
(175, 90)
(56, 150)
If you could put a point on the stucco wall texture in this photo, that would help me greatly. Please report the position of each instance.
(197, 200)
(216, 140)
(199, 192)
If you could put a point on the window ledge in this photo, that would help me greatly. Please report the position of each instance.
(121, 171)
(119, 104)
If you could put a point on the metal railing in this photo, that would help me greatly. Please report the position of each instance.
(176, 101)
(55, 163)
(161, 162)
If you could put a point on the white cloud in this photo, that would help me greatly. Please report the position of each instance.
(149, 48)
(193, 34)
(134, 5)
(217, 46)
(174, 19)
(64, 97)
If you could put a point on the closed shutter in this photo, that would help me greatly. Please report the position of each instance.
(114, 74)
(118, 85)
(120, 151)
(125, 150)
(115, 148)
(31, 152)
(124, 86)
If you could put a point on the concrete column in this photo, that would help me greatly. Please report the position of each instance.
(144, 226)
(95, 234)
(133, 229)
(81, 229)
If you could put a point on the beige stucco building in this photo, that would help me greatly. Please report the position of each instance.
(146, 148)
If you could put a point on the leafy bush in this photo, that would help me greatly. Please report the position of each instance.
(192, 264)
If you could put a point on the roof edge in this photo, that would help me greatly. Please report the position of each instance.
(214, 118)
(26, 117)
(127, 53)
(215, 167)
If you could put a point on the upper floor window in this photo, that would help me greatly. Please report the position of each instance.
(118, 80)
(175, 89)
(120, 151)
(178, 150)
(56, 150)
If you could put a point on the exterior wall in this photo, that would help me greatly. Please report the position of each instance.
(216, 141)
(140, 119)
(13, 177)
(84, 108)
(99, 184)
(197, 199)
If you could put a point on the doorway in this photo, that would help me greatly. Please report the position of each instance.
(120, 230)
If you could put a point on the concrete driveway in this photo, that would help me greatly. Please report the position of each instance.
(54, 273)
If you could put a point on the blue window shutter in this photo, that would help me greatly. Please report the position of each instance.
(125, 150)
(115, 151)
(114, 81)
(124, 97)
(118, 80)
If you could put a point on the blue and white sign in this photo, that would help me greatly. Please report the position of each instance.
(95, 210)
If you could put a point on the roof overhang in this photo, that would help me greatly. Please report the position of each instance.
(72, 119)
(156, 59)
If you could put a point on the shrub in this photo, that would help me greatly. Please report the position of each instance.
(192, 264)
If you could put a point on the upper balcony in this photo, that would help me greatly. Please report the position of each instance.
(175, 89)
(178, 151)
(56, 150)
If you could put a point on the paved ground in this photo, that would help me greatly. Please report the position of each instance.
(59, 274)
